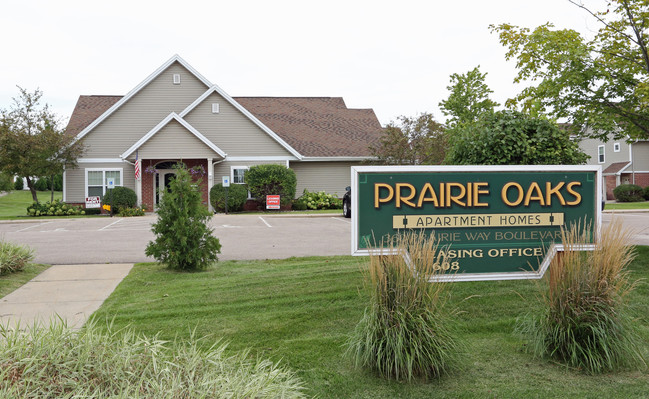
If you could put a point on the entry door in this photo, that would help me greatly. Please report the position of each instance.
(162, 183)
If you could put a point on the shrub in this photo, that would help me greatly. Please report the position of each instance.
(41, 184)
(54, 208)
(19, 184)
(237, 197)
(5, 182)
(585, 321)
(628, 193)
(319, 200)
(183, 239)
(57, 362)
(406, 331)
(645, 193)
(14, 257)
(128, 212)
(119, 197)
(263, 180)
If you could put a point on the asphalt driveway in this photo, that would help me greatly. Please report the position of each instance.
(122, 240)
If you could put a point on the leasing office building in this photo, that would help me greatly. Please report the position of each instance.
(176, 115)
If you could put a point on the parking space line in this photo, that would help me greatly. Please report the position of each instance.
(265, 222)
(115, 222)
(342, 220)
(36, 225)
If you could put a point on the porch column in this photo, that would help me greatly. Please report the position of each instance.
(138, 189)
(210, 182)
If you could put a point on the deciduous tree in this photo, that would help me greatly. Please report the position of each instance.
(601, 83)
(468, 99)
(32, 142)
(513, 138)
(412, 141)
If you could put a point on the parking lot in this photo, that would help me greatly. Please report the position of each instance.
(122, 240)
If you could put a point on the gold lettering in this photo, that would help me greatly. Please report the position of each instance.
(477, 191)
(506, 187)
(538, 197)
(432, 198)
(455, 198)
(549, 191)
(574, 193)
(406, 199)
(377, 190)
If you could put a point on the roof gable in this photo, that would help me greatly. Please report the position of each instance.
(132, 93)
(172, 117)
(245, 112)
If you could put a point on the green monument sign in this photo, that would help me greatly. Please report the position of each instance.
(495, 222)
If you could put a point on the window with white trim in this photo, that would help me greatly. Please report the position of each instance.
(238, 174)
(600, 154)
(97, 180)
(616, 147)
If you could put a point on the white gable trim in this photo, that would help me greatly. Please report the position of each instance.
(244, 111)
(130, 94)
(163, 123)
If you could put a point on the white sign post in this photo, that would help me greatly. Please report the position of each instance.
(226, 184)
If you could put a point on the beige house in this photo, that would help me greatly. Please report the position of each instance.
(176, 114)
(622, 161)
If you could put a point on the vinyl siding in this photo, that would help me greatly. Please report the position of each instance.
(174, 141)
(590, 147)
(331, 177)
(641, 156)
(232, 131)
(75, 179)
(142, 112)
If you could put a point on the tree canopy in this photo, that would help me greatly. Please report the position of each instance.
(32, 144)
(601, 83)
(411, 141)
(512, 138)
(468, 99)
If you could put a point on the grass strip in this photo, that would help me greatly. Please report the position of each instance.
(302, 310)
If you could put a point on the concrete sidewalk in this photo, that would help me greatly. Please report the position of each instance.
(71, 292)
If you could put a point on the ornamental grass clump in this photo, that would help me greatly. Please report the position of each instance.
(14, 257)
(58, 362)
(585, 322)
(406, 332)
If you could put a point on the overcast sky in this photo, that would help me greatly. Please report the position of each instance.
(393, 56)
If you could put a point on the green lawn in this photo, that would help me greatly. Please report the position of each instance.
(15, 203)
(627, 205)
(299, 311)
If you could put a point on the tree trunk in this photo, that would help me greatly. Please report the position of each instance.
(30, 184)
(52, 186)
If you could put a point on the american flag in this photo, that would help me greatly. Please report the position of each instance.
(137, 168)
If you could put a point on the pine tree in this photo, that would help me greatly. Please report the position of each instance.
(183, 239)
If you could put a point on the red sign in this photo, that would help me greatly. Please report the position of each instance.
(272, 202)
(93, 202)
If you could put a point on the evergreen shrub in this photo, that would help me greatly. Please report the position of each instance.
(119, 198)
(270, 179)
(628, 193)
(183, 241)
(237, 197)
(19, 184)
